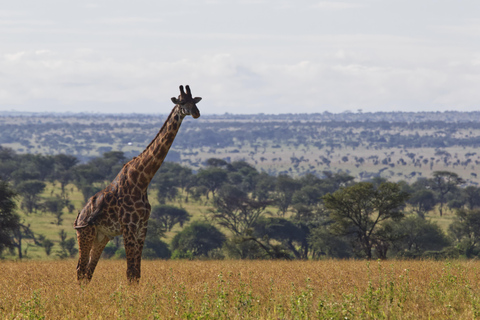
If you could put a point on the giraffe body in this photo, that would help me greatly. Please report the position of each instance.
(122, 208)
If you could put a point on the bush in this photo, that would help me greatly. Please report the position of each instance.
(179, 254)
(156, 249)
(109, 250)
(199, 238)
(120, 254)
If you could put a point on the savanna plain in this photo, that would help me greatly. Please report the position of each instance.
(329, 289)
(45, 287)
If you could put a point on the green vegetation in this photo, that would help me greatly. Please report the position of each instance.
(231, 210)
(351, 185)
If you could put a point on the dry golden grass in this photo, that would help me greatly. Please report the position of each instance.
(244, 290)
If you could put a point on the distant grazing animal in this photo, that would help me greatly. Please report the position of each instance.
(122, 208)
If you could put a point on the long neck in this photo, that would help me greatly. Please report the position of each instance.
(150, 160)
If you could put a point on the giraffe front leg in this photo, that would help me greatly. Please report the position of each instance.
(99, 244)
(133, 242)
(85, 238)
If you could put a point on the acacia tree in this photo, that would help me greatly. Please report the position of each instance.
(465, 230)
(422, 201)
(284, 189)
(471, 196)
(169, 216)
(415, 235)
(212, 178)
(30, 190)
(444, 182)
(360, 209)
(235, 210)
(9, 220)
(64, 165)
(23, 231)
(197, 239)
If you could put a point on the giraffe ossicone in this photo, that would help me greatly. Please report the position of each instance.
(122, 208)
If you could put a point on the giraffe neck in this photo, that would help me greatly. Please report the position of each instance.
(150, 160)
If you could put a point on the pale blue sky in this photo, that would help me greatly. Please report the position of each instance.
(240, 56)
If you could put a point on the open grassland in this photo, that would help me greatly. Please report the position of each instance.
(244, 290)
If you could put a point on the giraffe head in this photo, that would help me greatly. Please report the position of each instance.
(186, 103)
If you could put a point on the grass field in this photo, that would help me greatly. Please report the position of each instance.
(331, 289)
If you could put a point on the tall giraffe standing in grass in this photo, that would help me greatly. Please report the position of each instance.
(122, 208)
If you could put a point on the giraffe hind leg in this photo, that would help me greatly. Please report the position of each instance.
(85, 238)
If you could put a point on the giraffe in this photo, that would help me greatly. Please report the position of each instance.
(122, 208)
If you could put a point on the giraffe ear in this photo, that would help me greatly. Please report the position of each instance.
(175, 100)
(197, 99)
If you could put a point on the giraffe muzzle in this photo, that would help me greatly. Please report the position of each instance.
(195, 112)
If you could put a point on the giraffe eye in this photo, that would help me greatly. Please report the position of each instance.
(184, 109)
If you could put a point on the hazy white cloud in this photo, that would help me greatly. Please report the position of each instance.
(337, 5)
(237, 57)
(471, 29)
(127, 20)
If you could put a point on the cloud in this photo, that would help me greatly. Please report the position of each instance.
(238, 58)
(472, 29)
(336, 80)
(337, 5)
(127, 20)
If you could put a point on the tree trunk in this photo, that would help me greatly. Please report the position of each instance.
(19, 244)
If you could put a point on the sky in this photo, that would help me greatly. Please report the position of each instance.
(241, 57)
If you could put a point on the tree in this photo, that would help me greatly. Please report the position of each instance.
(67, 245)
(8, 163)
(415, 235)
(215, 162)
(281, 230)
(236, 210)
(169, 177)
(333, 181)
(465, 230)
(422, 201)
(64, 169)
(308, 195)
(444, 182)
(169, 216)
(243, 175)
(30, 191)
(166, 188)
(47, 244)
(285, 188)
(324, 243)
(85, 175)
(154, 247)
(198, 239)
(55, 206)
(471, 196)
(23, 231)
(212, 178)
(9, 220)
(109, 164)
(358, 211)
(264, 186)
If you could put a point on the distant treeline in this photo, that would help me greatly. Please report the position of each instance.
(261, 216)
(89, 135)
